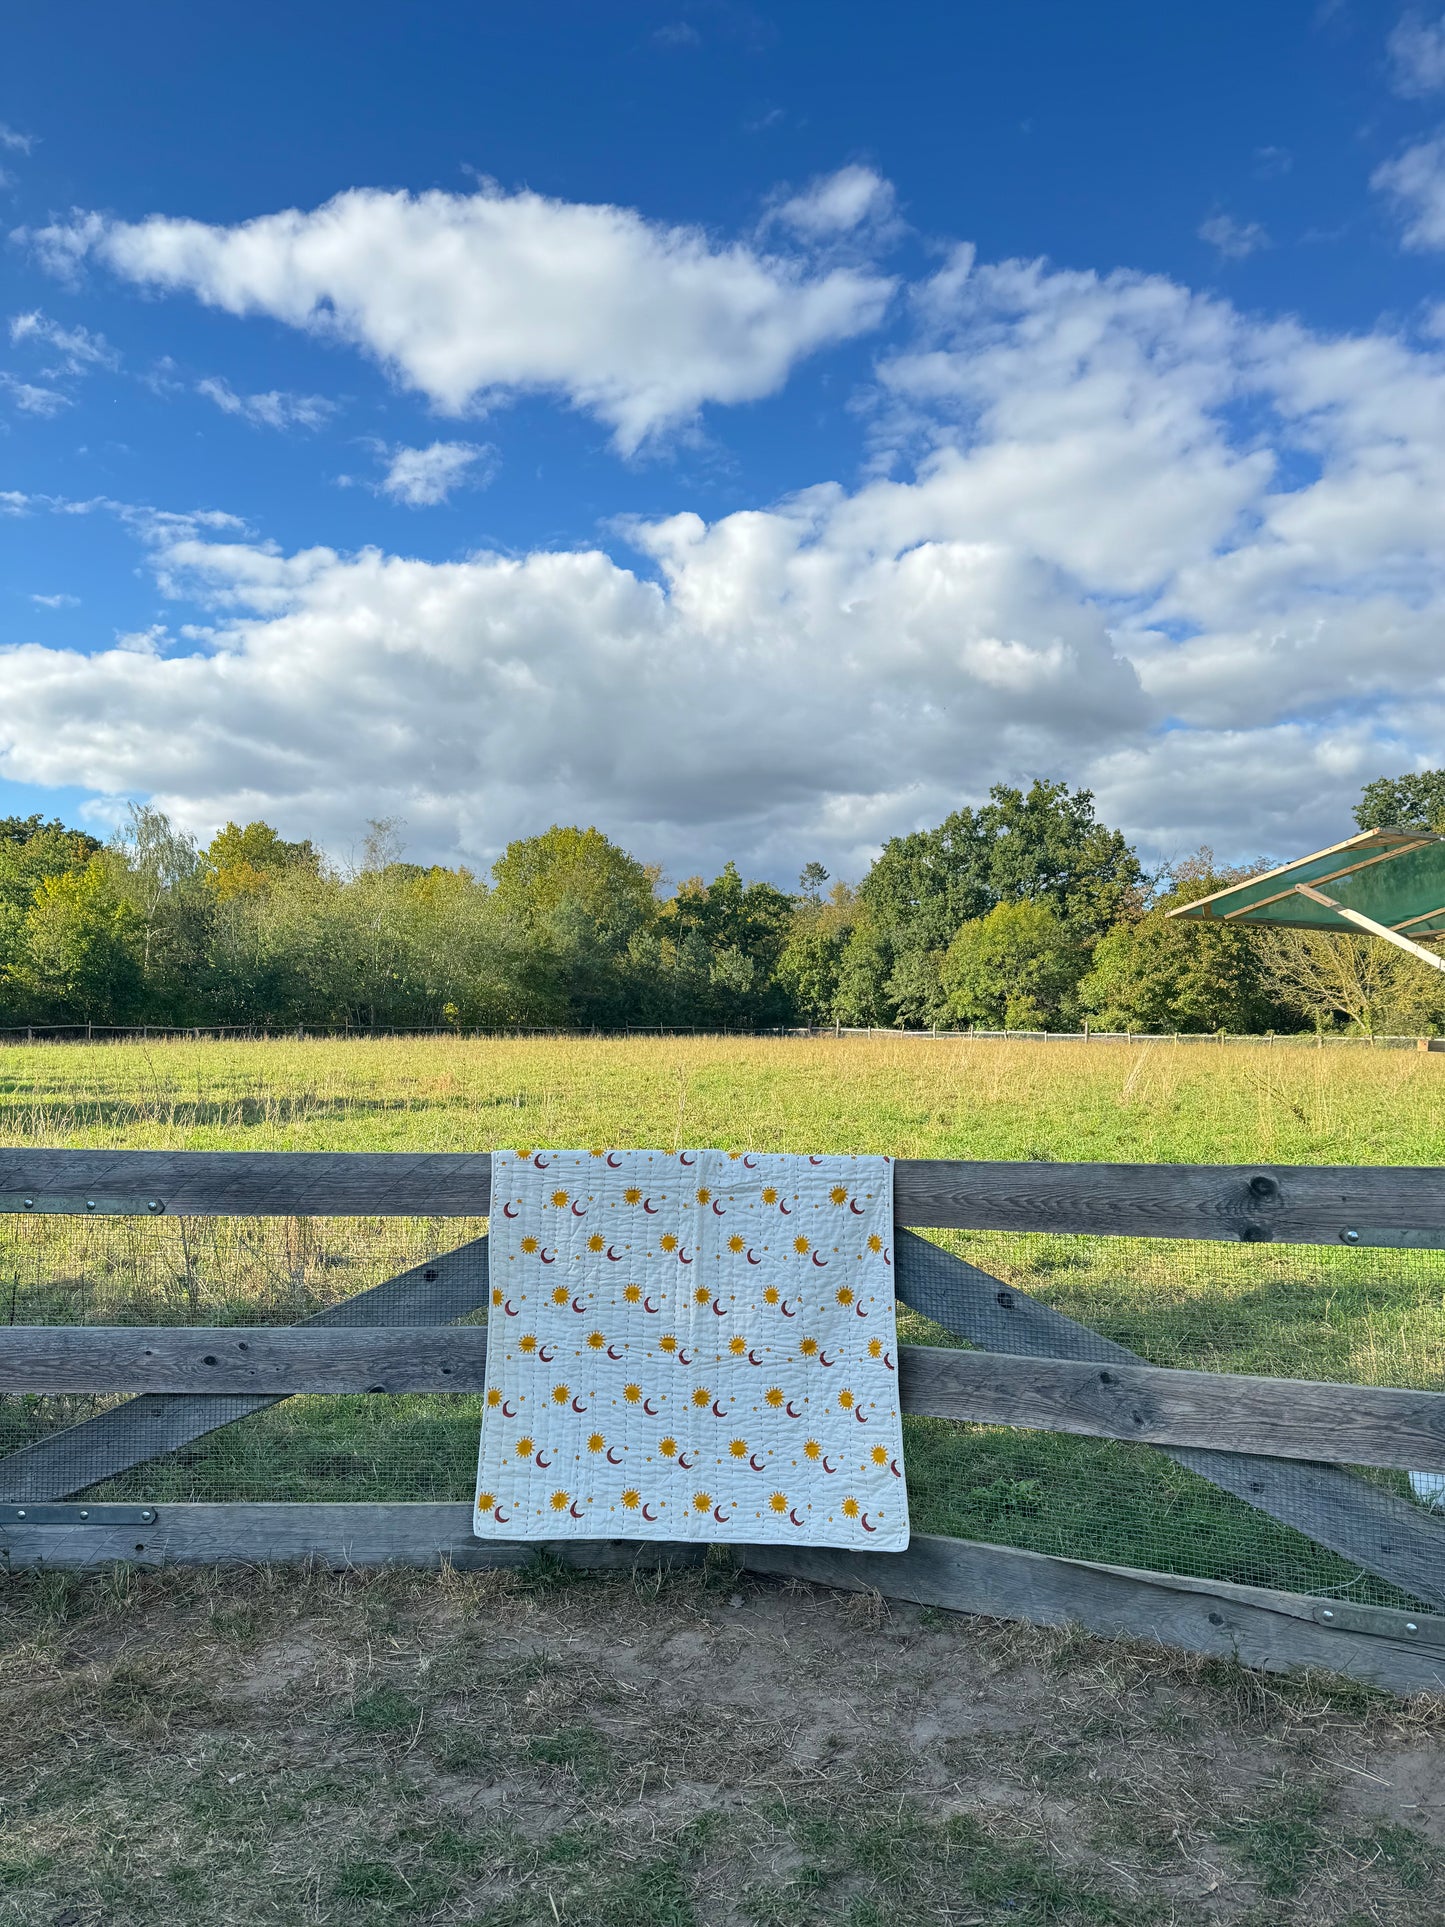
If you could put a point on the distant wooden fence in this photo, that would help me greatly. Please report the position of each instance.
(1277, 1444)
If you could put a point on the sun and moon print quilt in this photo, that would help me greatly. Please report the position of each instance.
(693, 1345)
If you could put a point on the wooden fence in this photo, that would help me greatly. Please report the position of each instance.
(1277, 1444)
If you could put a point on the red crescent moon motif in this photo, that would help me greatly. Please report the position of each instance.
(821, 1263)
(685, 1462)
(717, 1210)
(886, 1259)
(717, 1513)
(613, 1353)
(510, 1309)
(546, 1353)
(545, 1259)
(683, 1259)
(541, 1162)
(649, 1207)
(793, 1516)
(783, 1308)
(577, 1305)
(509, 1410)
(866, 1526)
(575, 1510)
(508, 1212)
(579, 1211)
(856, 1208)
(826, 1362)
(720, 1310)
(751, 1259)
(758, 1465)
(888, 1362)
(683, 1158)
(647, 1305)
(648, 1513)
(578, 1406)
(753, 1359)
(500, 1516)
(614, 1457)
(815, 1160)
(860, 1415)
(615, 1256)
(683, 1358)
(541, 1462)
(860, 1311)
(614, 1162)
(650, 1409)
(826, 1466)
(893, 1468)
(793, 1411)
(715, 1411)
(786, 1209)
(750, 1164)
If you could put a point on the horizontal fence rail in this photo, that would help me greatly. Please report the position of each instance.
(1387, 1205)
(1286, 1418)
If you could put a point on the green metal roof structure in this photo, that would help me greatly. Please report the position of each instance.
(1390, 883)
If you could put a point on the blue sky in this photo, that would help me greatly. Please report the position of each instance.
(753, 431)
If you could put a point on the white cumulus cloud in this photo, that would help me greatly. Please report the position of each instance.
(426, 477)
(468, 299)
(274, 409)
(839, 203)
(1416, 51)
(1415, 182)
(79, 350)
(58, 601)
(1234, 240)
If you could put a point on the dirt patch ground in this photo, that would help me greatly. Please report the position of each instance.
(695, 1751)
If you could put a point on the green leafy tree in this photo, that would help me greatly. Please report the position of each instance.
(1416, 801)
(811, 960)
(572, 869)
(241, 859)
(1015, 969)
(83, 946)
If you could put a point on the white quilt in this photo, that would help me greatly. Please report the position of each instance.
(692, 1345)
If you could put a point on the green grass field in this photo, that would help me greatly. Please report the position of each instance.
(1367, 1317)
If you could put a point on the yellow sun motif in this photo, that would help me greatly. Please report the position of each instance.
(598, 1151)
(632, 1498)
(812, 1450)
(704, 1196)
(560, 1294)
(809, 1347)
(737, 1346)
(770, 1196)
(632, 1195)
(875, 1243)
(633, 1294)
(875, 1347)
(801, 1245)
(702, 1502)
(702, 1396)
(524, 1448)
(560, 1501)
(486, 1501)
(632, 1393)
(771, 1295)
(525, 1154)
(668, 1448)
(845, 1399)
(496, 1294)
(526, 1343)
(559, 1198)
(494, 1399)
(739, 1448)
(701, 1295)
(839, 1194)
(844, 1296)
(879, 1455)
(529, 1245)
(561, 1394)
(668, 1241)
(596, 1340)
(597, 1242)
(737, 1243)
(667, 1343)
(774, 1396)
(851, 1508)
(595, 1442)
(779, 1502)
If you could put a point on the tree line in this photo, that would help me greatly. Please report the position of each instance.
(1027, 913)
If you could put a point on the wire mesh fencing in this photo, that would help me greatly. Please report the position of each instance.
(1366, 1317)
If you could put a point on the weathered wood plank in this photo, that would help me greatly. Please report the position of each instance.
(1391, 1537)
(449, 1286)
(1289, 1418)
(1293, 1203)
(1273, 1630)
(1294, 1418)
